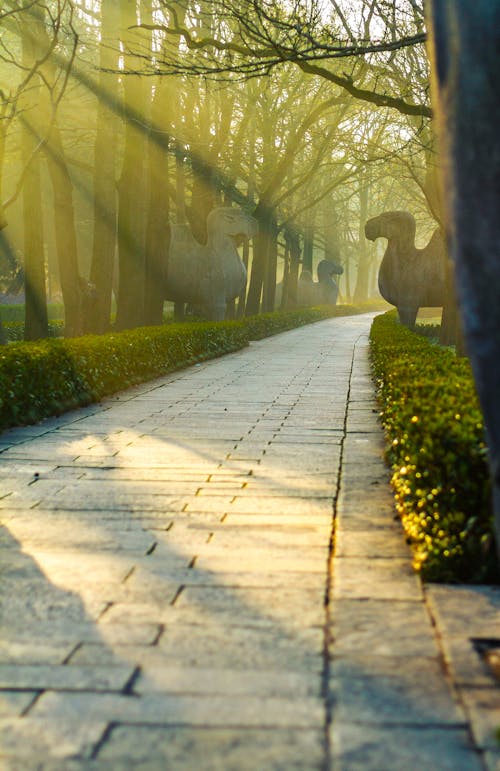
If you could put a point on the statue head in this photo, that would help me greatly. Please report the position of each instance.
(391, 225)
(231, 222)
(326, 269)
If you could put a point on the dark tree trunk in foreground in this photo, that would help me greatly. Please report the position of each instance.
(465, 52)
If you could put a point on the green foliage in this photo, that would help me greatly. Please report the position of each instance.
(14, 330)
(15, 313)
(51, 376)
(436, 448)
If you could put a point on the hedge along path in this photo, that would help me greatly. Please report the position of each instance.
(42, 379)
(168, 593)
(437, 452)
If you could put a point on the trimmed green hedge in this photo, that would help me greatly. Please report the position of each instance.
(14, 330)
(16, 313)
(436, 449)
(51, 376)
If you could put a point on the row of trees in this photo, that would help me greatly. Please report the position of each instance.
(121, 117)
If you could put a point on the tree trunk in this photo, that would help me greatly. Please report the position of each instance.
(264, 214)
(286, 274)
(36, 321)
(466, 58)
(307, 257)
(66, 242)
(361, 288)
(240, 311)
(104, 243)
(293, 276)
(269, 288)
(158, 228)
(131, 187)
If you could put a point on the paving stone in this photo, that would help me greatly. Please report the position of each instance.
(381, 579)
(244, 647)
(381, 689)
(483, 706)
(46, 677)
(61, 632)
(145, 579)
(259, 563)
(473, 610)
(284, 519)
(465, 663)
(14, 703)
(304, 506)
(381, 628)
(244, 537)
(492, 760)
(287, 607)
(186, 748)
(372, 544)
(361, 747)
(202, 711)
(229, 682)
(33, 652)
(30, 738)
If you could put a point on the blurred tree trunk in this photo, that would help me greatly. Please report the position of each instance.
(104, 237)
(264, 214)
(240, 311)
(269, 287)
(307, 256)
(36, 321)
(361, 288)
(66, 242)
(62, 185)
(131, 186)
(158, 227)
(293, 274)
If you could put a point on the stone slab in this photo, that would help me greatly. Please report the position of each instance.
(405, 691)
(378, 579)
(361, 747)
(48, 677)
(381, 628)
(185, 749)
(199, 711)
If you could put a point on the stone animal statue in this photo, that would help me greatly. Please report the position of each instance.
(322, 292)
(328, 287)
(409, 278)
(464, 43)
(208, 276)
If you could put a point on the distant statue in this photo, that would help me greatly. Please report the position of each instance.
(409, 278)
(209, 276)
(328, 287)
(322, 292)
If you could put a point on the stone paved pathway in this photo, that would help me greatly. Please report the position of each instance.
(171, 597)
